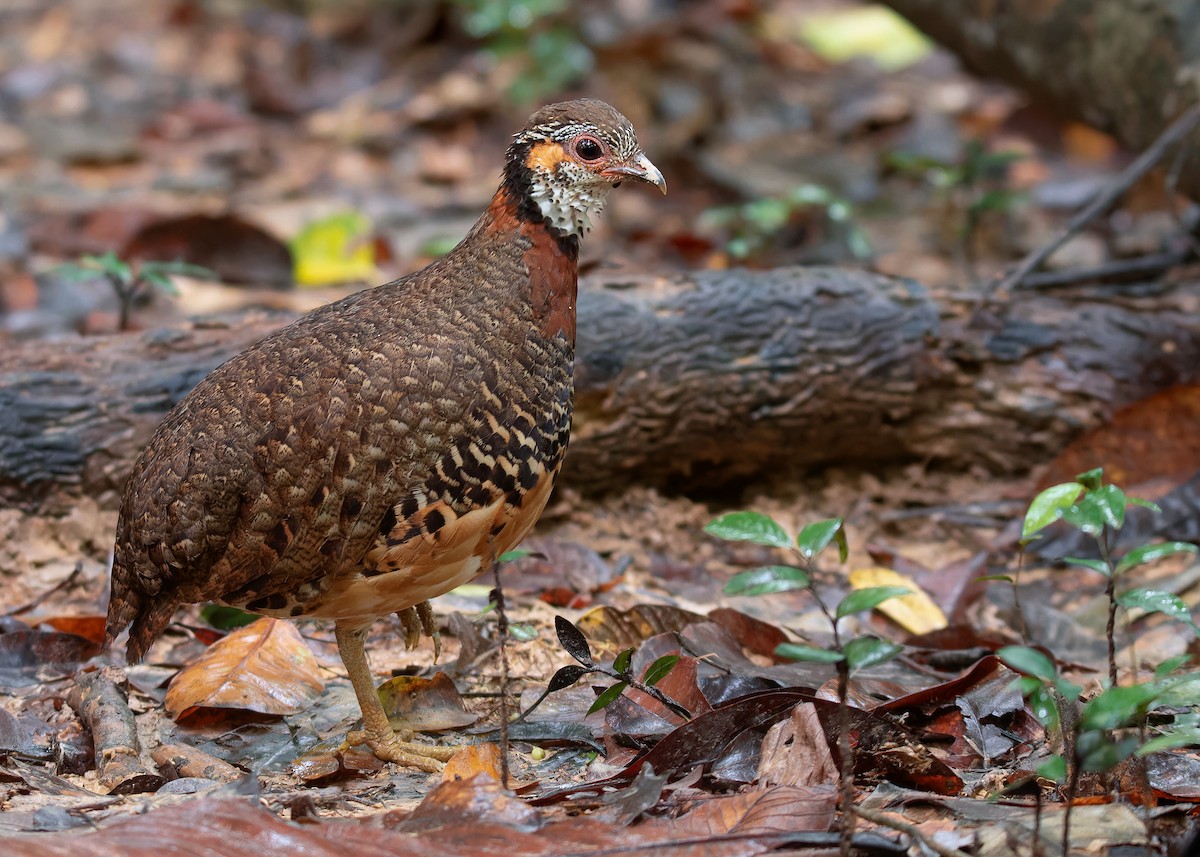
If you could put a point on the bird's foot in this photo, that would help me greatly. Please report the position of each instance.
(418, 620)
(423, 757)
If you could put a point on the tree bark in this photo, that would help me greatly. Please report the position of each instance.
(694, 383)
(1127, 68)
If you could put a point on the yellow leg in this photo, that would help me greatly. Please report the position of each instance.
(376, 731)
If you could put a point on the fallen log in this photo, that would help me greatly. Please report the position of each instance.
(1126, 68)
(694, 383)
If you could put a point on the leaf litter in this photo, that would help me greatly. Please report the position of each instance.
(750, 769)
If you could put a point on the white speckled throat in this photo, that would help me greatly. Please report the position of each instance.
(566, 205)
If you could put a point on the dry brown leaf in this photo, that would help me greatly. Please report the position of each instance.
(796, 752)
(471, 760)
(265, 667)
(608, 628)
(424, 704)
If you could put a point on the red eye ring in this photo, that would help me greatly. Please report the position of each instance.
(589, 149)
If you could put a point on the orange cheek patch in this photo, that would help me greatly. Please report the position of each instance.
(545, 157)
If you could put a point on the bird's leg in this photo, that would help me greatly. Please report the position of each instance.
(417, 620)
(377, 731)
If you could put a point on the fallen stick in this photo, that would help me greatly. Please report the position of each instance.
(99, 698)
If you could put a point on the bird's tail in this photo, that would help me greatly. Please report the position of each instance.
(129, 603)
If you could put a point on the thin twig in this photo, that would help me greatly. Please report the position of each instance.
(502, 627)
(908, 829)
(1175, 132)
(1121, 269)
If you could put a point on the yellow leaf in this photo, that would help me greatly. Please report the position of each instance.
(870, 31)
(336, 249)
(915, 613)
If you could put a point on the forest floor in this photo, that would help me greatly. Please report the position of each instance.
(381, 130)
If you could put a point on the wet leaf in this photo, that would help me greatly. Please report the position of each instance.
(1152, 553)
(815, 537)
(1157, 601)
(749, 527)
(573, 641)
(1094, 564)
(265, 667)
(1048, 507)
(566, 676)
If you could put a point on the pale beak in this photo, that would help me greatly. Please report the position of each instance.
(641, 169)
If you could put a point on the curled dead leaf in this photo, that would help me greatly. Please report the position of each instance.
(265, 667)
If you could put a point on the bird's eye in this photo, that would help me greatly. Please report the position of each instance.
(588, 148)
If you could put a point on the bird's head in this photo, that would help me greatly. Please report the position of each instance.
(562, 165)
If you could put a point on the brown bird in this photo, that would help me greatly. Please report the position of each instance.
(385, 448)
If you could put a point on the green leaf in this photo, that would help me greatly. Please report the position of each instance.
(510, 556)
(770, 578)
(863, 652)
(608, 697)
(1048, 506)
(797, 652)
(1170, 665)
(1118, 706)
(1093, 564)
(161, 282)
(1099, 752)
(1145, 504)
(1088, 515)
(1042, 703)
(522, 632)
(1171, 740)
(1111, 501)
(749, 527)
(869, 598)
(815, 537)
(1007, 578)
(1028, 661)
(658, 670)
(1157, 601)
(1151, 553)
(623, 660)
(1054, 769)
(226, 618)
(1091, 479)
(183, 269)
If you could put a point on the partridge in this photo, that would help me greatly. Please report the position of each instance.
(388, 447)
